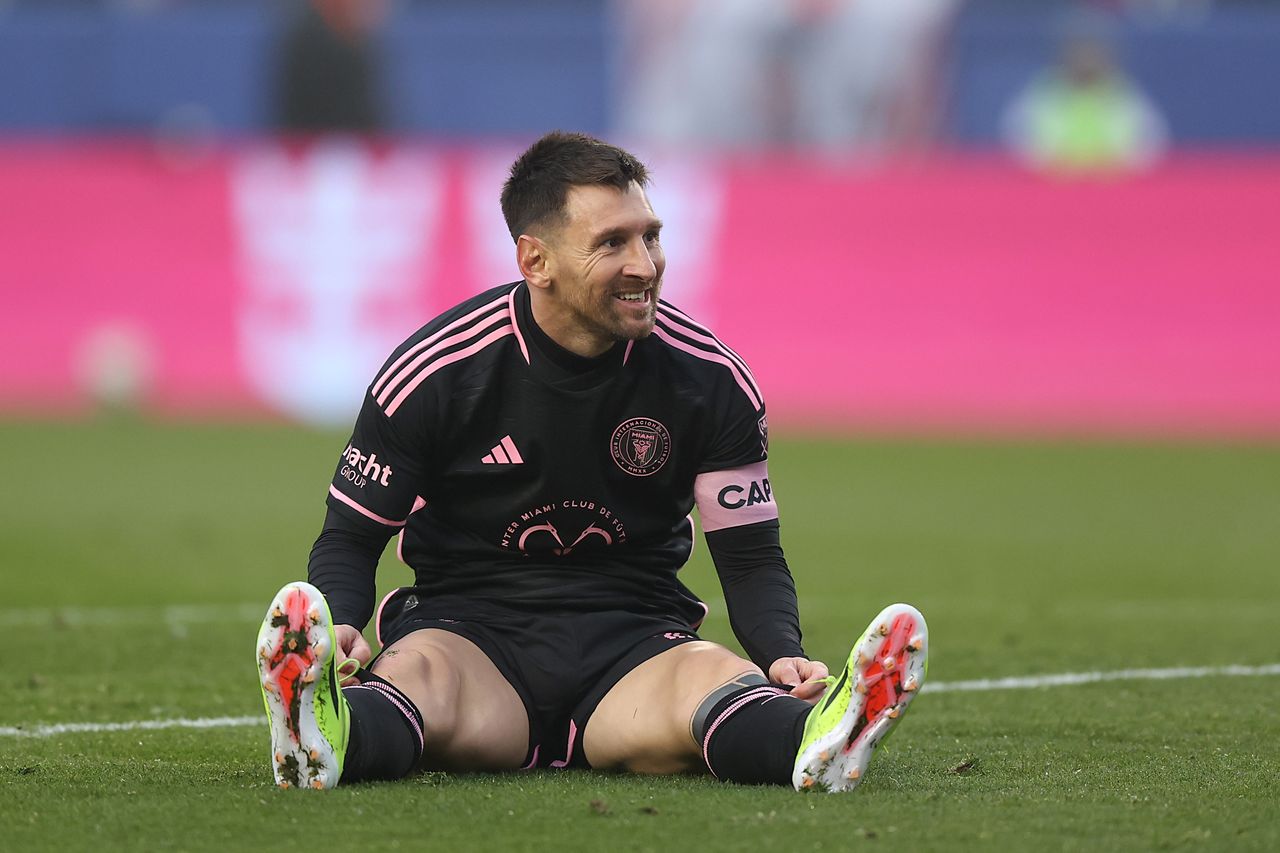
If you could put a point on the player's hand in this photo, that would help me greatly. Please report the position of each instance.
(351, 646)
(802, 675)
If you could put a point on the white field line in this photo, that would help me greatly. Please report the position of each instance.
(1066, 679)
(135, 725)
(175, 614)
(1027, 682)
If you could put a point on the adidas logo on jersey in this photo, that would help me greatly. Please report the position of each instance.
(503, 453)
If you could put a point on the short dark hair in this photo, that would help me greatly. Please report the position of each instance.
(541, 177)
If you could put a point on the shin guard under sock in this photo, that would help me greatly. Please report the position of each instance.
(754, 735)
(386, 738)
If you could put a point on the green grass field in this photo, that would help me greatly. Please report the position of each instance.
(137, 558)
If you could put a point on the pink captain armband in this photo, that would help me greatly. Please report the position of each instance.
(735, 497)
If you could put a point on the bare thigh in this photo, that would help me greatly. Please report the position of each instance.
(644, 724)
(472, 717)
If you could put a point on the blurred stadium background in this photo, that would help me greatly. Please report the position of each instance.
(909, 214)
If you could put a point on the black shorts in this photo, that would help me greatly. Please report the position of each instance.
(560, 664)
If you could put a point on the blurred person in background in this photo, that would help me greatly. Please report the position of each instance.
(329, 75)
(842, 76)
(1085, 114)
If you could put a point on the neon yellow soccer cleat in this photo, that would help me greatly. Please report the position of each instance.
(307, 712)
(885, 671)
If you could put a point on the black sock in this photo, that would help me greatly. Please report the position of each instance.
(386, 731)
(754, 735)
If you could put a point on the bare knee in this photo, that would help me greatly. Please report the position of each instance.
(431, 680)
(644, 724)
(472, 717)
(702, 674)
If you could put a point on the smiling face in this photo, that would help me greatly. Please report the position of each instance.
(596, 275)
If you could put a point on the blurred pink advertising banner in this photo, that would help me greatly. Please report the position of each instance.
(962, 294)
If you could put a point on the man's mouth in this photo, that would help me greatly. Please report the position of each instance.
(641, 296)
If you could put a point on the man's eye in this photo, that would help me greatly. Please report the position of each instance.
(651, 237)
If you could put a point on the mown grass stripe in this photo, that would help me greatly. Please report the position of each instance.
(1028, 682)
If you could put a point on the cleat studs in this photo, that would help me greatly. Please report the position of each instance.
(313, 754)
(284, 783)
(860, 686)
(317, 784)
(309, 677)
(888, 664)
(854, 774)
(277, 612)
(892, 713)
(314, 616)
(806, 783)
(916, 643)
(293, 644)
(279, 758)
(862, 659)
(911, 684)
(824, 756)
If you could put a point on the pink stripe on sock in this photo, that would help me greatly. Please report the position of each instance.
(745, 699)
(401, 703)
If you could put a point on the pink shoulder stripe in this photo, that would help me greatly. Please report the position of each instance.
(427, 356)
(496, 335)
(511, 311)
(366, 513)
(747, 387)
(684, 325)
(428, 341)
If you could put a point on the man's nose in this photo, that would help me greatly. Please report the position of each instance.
(640, 262)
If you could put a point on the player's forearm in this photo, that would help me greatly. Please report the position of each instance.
(343, 564)
(758, 590)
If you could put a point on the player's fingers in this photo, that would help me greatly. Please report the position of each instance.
(360, 654)
(360, 650)
(784, 671)
(353, 652)
(809, 690)
(815, 671)
(347, 637)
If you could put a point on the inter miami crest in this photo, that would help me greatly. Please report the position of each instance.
(640, 446)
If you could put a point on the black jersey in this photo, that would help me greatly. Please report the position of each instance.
(518, 472)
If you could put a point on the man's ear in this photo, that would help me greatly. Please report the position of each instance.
(534, 259)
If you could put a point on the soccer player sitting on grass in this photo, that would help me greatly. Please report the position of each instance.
(539, 449)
